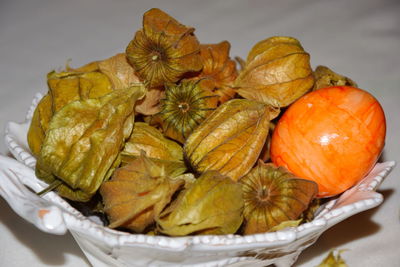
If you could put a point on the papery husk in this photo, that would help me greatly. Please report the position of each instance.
(122, 75)
(219, 70)
(150, 140)
(177, 165)
(163, 50)
(139, 191)
(150, 104)
(264, 45)
(184, 107)
(333, 260)
(212, 205)
(272, 196)
(39, 124)
(119, 71)
(84, 139)
(277, 72)
(231, 138)
(325, 77)
(116, 68)
(65, 87)
(88, 67)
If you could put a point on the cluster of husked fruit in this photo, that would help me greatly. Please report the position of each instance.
(171, 138)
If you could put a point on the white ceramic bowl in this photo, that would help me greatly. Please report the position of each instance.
(107, 247)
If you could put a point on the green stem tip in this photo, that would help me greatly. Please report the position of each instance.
(51, 187)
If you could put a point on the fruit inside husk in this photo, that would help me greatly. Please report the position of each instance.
(138, 192)
(231, 138)
(272, 195)
(184, 107)
(211, 205)
(84, 139)
(148, 139)
(219, 71)
(164, 50)
(277, 72)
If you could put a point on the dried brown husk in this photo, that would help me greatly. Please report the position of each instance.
(150, 140)
(277, 72)
(119, 71)
(219, 70)
(116, 68)
(231, 138)
(150, 104)
(139, 191)
(122, 75)
(163, 50)
(272, 195)
(213, 204)
(84, 139)
(325, 77)
(184, 107)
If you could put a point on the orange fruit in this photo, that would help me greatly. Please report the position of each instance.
(333, 136)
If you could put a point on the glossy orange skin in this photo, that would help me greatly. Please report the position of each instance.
(333, 136)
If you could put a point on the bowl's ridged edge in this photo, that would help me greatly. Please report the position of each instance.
(35, 102)
(16, 150)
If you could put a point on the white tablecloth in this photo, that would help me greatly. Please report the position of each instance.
(358, 38)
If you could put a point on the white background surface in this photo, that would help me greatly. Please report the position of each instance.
(360, 39)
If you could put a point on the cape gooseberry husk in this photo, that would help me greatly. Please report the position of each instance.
(63, 88)
(163, 50)
(83, 142)
(184, 107)
(273, 195)
(230, 139)
(150, 140)
(277, 72)
(325, 77)
(212, 205)
(219, 69)
(39, 124)
(138, 192)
